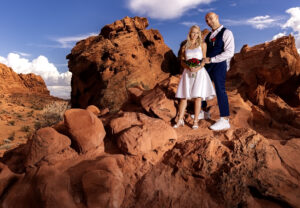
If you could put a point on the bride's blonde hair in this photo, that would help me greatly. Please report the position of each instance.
(198, 41)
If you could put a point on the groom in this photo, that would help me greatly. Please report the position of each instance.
(220, 48)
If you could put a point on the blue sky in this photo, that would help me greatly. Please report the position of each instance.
(37, 35)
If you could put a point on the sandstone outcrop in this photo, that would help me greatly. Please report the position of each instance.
(160, 101)
(268, 68)
(45, 142)
(85, 129)
(125, 54)
(138, 134)
(11, 82)
(269, 76)
(237, 172)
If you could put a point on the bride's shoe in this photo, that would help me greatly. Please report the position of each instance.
(195, 125)
(180, 122)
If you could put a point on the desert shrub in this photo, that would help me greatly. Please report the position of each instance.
(30, 113)
(11, 137)
(19, 116)
(52, 114)
(37, 125)
(3, 111)
(25, 128)
(29, 135)
(11, 123)
(37, 107)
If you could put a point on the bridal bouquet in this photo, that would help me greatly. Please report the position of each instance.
(193, 62)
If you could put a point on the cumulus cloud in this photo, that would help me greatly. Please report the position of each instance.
(294, 23)
(258, 22)
(164, 9)
(279, 35)
(41, 66)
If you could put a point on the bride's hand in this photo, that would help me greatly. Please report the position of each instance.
(195, 69)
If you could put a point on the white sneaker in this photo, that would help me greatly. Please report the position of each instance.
(221, 124)
(202, 115)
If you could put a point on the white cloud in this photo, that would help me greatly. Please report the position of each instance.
(233, 4)
(60, 91)
(40, 66)
(23, 54)
(258, 22)
(206, 10)
(279, 35)
(69, 41)
(164, 9)
(294, 24)
(188, 24)
(294, 21)
(261, 22)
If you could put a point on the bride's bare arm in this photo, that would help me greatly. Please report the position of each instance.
(204, 49)
(182, 60)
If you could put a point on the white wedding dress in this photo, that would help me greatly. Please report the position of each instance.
(197, 85)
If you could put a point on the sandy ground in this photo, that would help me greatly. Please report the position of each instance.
(22, 114)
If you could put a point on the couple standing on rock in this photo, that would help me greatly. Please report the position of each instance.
(196, 82)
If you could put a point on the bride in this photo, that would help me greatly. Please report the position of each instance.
(195, 82)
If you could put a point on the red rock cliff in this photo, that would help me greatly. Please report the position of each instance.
(11, 82)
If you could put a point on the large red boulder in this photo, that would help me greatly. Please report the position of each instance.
(125, 54)
(138, 134)
(44, 143)
(85, 129)
(105, 185)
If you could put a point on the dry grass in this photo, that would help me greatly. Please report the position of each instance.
(52, 114)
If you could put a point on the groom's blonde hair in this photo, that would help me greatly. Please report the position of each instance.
(198, 41)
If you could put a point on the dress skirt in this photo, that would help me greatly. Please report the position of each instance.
(195, 85)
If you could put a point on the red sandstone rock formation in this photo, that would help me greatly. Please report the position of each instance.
(269, 76)
(204, 169)
(125, 54)
(160, 101)
(269, 68)
(138, 134)
(84, 128)
(11, 82)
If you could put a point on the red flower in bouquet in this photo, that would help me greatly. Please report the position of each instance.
(193, 62)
